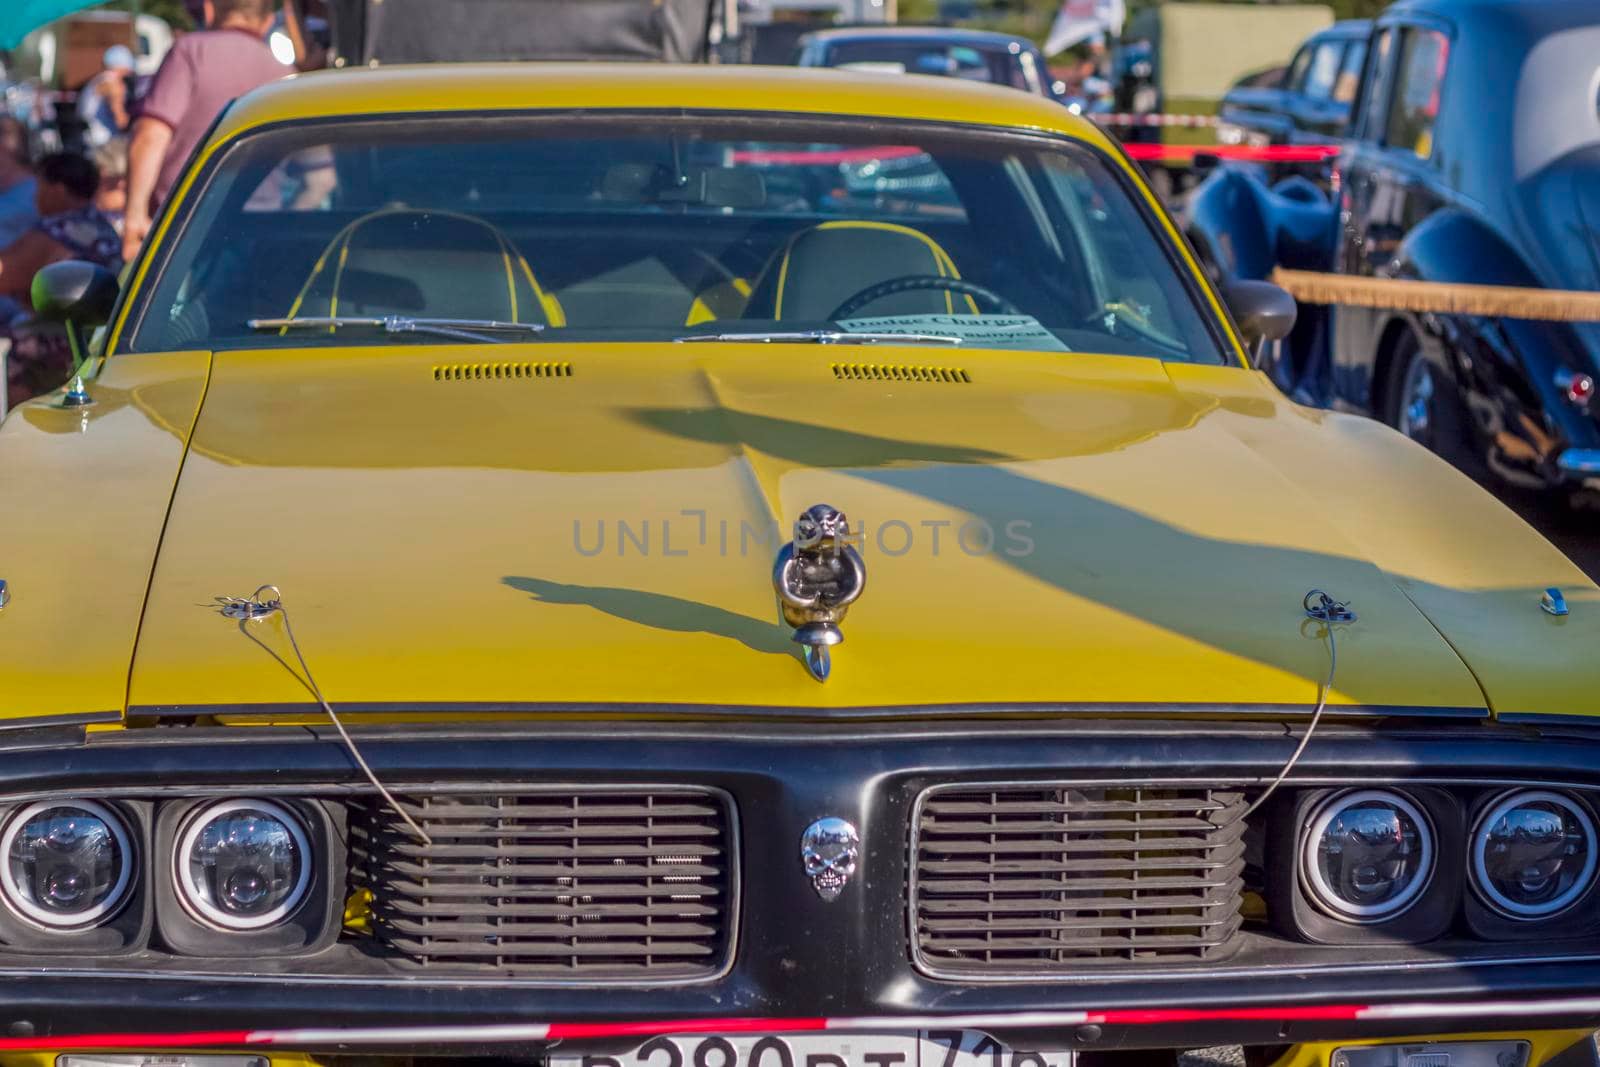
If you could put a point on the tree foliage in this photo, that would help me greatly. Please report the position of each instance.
(1358, 9)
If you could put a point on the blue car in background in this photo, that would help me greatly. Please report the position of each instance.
(997, 58)
(1309, 101)
(1472, 156)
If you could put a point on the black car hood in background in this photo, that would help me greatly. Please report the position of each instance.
(443, 31)
(1560, 210)
(1582, 171)
(1254, 99)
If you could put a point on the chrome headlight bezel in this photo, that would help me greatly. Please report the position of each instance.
(312, 926)
(99, 914)
(1326, 898)
(1477, 869)
(194, 897)
(1295, 912)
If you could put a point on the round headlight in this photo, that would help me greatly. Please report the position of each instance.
(66, 863)
(1533, 854)
(242, 864)
(1367, 855)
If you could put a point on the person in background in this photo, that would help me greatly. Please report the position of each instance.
(103, 101)
(18, 191)
(309, 53)
(111, 160)
(69, 227)
(17, 211)
(200, 75)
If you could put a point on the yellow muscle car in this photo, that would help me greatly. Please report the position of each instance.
(618, 567)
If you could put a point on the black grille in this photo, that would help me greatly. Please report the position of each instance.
(592, 884)
(1042, 879)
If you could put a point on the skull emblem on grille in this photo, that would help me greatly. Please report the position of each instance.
(830, 848)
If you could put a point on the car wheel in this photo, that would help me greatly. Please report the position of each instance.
(1425, 405)
(1419, 396)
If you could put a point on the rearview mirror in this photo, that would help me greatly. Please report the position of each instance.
(739, 188)
(80, 296)
(649, 183)
(76, 292)
(1263, 312)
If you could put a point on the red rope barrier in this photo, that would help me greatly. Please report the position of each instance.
(1272, 153)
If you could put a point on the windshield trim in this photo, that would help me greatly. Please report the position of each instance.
(177, 214)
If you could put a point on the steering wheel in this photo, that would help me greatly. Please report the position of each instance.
(912, 282)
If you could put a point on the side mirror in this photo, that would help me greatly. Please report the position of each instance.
(76, 292)
(1263, 312)
(80, 296)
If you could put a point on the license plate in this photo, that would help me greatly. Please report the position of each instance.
(923, 1048)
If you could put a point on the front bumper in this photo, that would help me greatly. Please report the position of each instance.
(800, 962)
(475, 1025)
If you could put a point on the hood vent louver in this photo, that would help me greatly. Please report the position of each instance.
(486, 372)
(899, 372)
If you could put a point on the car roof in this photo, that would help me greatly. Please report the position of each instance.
(443, 88)
(1558, 12)
(1347, 28)
(948, 34)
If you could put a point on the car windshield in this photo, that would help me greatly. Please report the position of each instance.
(658, 228)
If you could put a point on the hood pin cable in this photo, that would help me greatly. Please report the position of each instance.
(253, 609)
(1319, 607)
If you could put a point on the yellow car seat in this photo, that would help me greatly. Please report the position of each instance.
(821, 267)
(437, 264)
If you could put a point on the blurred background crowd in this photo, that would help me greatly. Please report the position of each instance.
(102, 108)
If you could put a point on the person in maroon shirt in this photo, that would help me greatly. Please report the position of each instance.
(201, 73)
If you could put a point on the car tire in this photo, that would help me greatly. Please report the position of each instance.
(1424, 403)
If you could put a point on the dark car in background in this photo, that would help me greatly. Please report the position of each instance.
(997, 58)
(1309, 101)
(1472, 157)
(370, 33)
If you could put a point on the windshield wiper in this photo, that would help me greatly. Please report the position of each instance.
(827, 337)
(457, 329)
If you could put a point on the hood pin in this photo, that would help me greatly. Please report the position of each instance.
(252, 607)
(1321, 607)
(817, 577)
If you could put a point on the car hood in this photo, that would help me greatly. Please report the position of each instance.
(83, 496)
(572, 529)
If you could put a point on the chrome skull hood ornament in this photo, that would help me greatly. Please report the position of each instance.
(817, 577)
(830, 849)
